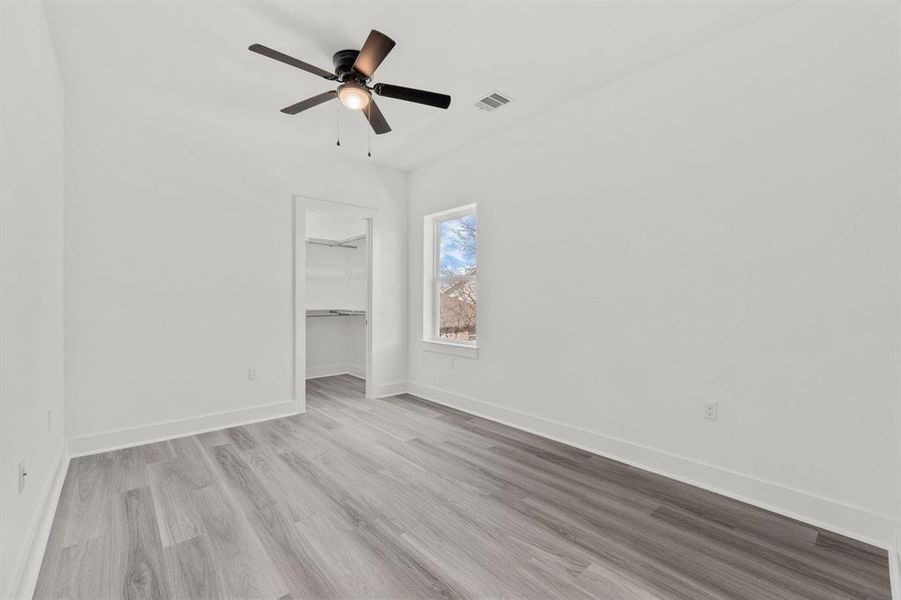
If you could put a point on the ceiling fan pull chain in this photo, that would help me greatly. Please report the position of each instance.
(338, 124)
(369, 131)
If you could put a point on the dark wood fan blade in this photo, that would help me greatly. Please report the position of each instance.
(411, 95)
(310, 102)
(375, 49)
(290, 60)
(376, 118)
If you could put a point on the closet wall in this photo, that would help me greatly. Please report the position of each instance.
(336, 277)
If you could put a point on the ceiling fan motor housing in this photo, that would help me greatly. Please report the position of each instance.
(344, 62)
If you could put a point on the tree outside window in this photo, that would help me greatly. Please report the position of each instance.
(456, 282)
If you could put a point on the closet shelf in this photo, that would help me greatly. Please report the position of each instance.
(334, 312)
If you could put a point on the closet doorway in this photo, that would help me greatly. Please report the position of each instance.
(333, 309)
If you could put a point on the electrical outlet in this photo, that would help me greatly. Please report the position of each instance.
(252, 373)
(22, 475)
(710, 411)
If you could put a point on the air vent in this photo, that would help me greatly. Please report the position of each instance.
(493, 101)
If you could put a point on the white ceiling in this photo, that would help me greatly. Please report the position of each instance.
(540, 53)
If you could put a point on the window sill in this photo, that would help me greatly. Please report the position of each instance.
(463, 350)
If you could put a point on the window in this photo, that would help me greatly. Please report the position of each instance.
(456, 285)
(451, 277)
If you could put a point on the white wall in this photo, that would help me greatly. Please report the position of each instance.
(331, 226)
(31, 280)
(722, 226)
(336, 277)
(179, 264)
(336, 345)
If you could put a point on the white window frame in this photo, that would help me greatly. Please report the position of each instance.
(432, 279)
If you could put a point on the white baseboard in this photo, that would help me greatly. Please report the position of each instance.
(134, 436)
(25, 575)
(895, 568)
(332, 370)
(391, 389)
(895, 565)
(878, 530)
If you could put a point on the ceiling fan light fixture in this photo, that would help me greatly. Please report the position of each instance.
(354, 95)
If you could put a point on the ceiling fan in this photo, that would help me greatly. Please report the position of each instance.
(354, 70)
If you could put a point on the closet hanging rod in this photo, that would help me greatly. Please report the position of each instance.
(336, 313)
(345, 243)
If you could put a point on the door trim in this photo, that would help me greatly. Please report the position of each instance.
(300, 206)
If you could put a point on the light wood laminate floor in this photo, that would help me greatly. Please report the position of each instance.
(401, 498)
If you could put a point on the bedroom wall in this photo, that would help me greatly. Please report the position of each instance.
(179, 266)
(719, 227)
(31, 286)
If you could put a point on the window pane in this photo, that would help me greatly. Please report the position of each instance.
(457, 246)
(457, 319)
